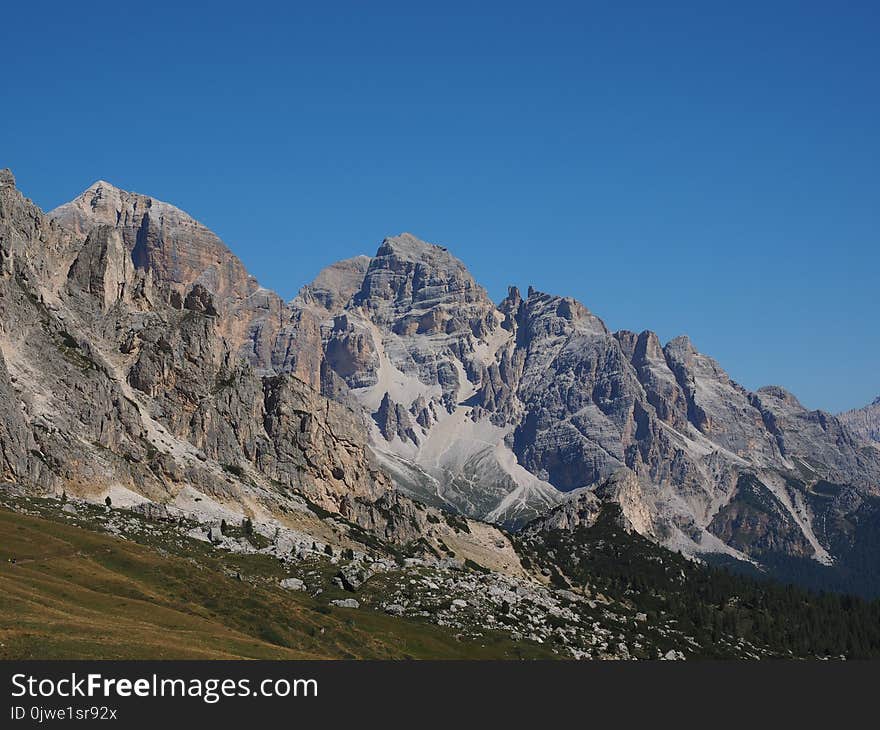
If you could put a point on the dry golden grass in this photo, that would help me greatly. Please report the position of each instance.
(75, 593)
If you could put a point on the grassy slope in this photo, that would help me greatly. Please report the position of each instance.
(74, 593)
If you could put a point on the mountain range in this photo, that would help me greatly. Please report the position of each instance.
(141, 362)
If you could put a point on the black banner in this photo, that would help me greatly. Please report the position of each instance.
(406, 694)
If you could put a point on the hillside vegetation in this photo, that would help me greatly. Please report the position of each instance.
(75, 593)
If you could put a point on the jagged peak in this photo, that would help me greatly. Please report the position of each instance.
(103, 199)
(409, 247)
(536, 295)
(542, 306)
(567, 307)
(101, 184)
(7, 179)
(780, 393)
(335, 284)
(329, 276)
(681, 343)
(90, 198)
(641, 346)
(180, 250)
(512, 301)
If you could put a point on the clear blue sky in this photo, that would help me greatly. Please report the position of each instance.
(702, 168)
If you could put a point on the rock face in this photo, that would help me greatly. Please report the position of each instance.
(15, 439)
(161, 239)
(498, 411)
(137, 351)
(121, 374)
(104, 269)
(178, 252)
(864, 422)
(583, 507)
(412, 345)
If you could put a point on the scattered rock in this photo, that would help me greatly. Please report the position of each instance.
(345, 603)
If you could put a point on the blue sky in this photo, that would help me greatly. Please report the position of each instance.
(702, 168)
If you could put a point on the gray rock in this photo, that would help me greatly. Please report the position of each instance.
(353, 576)
(394, 420)
(864, 422)
(345, 603)
(153, 511)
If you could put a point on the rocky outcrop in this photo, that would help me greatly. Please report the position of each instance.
(393, 421)
(334, 286)
(318, 445)
(756, 522)
(104, 269)
(119, 376)
(584, 507)
(864, 422)
(160, 238)
(411, 287)
(178, 252)
(15, 440)
(351, 352)
(436, 534)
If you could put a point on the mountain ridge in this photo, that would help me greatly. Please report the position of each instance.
(499, 411)
(865, 421)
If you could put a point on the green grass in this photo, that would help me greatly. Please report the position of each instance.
(78, 593)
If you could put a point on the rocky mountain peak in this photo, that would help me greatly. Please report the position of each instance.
(179, 253)
(681, 345)
(425, 264)
(513, 296)
(100, 203)
(864, 422)
(102, 188)
(159, 236)
(335, 285)
(549, 314)
(510, 307)
(414, 287)
(780, 393)
(7, 179)
(640, 348)
(407, 246)
(648, 344)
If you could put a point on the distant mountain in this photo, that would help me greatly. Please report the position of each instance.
(864, 422)
(140, 357)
